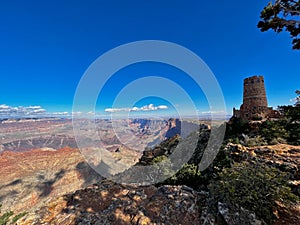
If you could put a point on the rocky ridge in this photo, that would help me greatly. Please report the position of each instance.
(57, 189)
(110, 203)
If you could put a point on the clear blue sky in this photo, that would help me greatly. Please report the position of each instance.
(46, 46)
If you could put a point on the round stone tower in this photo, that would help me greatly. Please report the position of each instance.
(254, 99)
(255, 105)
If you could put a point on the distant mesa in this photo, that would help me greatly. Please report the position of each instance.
(255, 104)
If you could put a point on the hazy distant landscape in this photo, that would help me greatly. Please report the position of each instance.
(55, 133)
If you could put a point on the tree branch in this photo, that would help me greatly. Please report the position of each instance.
(288, 9)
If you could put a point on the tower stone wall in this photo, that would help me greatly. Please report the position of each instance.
(255, 104)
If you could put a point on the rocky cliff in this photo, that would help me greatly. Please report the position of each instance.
(29, 179)
(58, 187)
(110, 203)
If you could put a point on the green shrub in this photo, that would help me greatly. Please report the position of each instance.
(5, 218)
(253, 186)
(272, 130)
(235, 140)
(255, 141)
(294, 133)
(236, 127)
(162, 167)
(257, 118)
(187, 175)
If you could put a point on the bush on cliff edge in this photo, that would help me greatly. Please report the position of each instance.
(253, 186)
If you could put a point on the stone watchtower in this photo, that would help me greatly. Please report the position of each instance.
(255, 105)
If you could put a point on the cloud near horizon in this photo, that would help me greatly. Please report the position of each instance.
(150, 107)
(21, 110)
(7, 111)
(214, 112)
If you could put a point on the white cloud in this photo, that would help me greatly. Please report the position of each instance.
(60, 113)
(3, 106)
(162, 107)
(76, 113)
(34, 107)
(6, 110)
(112, 110)
(150, 107)
(214, 112)
(90, 113)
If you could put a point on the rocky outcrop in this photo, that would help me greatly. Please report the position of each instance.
(110, 203)
(58, 187)
(167, 147)
(282, 156)
(50, 141)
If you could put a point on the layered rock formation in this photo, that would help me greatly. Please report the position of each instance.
(29, 179)
(58, 187)
(110, 203)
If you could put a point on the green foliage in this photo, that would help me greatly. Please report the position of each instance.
(292, 126)
(272, 130)
(283, 130)
(292, 113)
(282, 15)
(163, 167)
(294, 133)
(236, 127)
(255, 141)
(257, 118)
(5, 218)
(187, 175)
(17, 217)
(235, 140)
(297, 98)
(253, 186)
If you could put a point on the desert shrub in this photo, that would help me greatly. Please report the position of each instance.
(17, 217)
(4, 219)
(163, 167)
(256, 118)
(294, 133)
(236, 127)
(253, 186)
(255, 141)
(278, 140)
(291, 113)
(281, 131)
(7, 218)
(271, 130)
(187, 175)
(235, 140)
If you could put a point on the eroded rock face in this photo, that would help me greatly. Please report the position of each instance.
(167, 147)
(110, 203)
(56, 187)
(282, 156)
(29, 179)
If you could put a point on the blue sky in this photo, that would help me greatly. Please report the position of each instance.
(46, 46)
